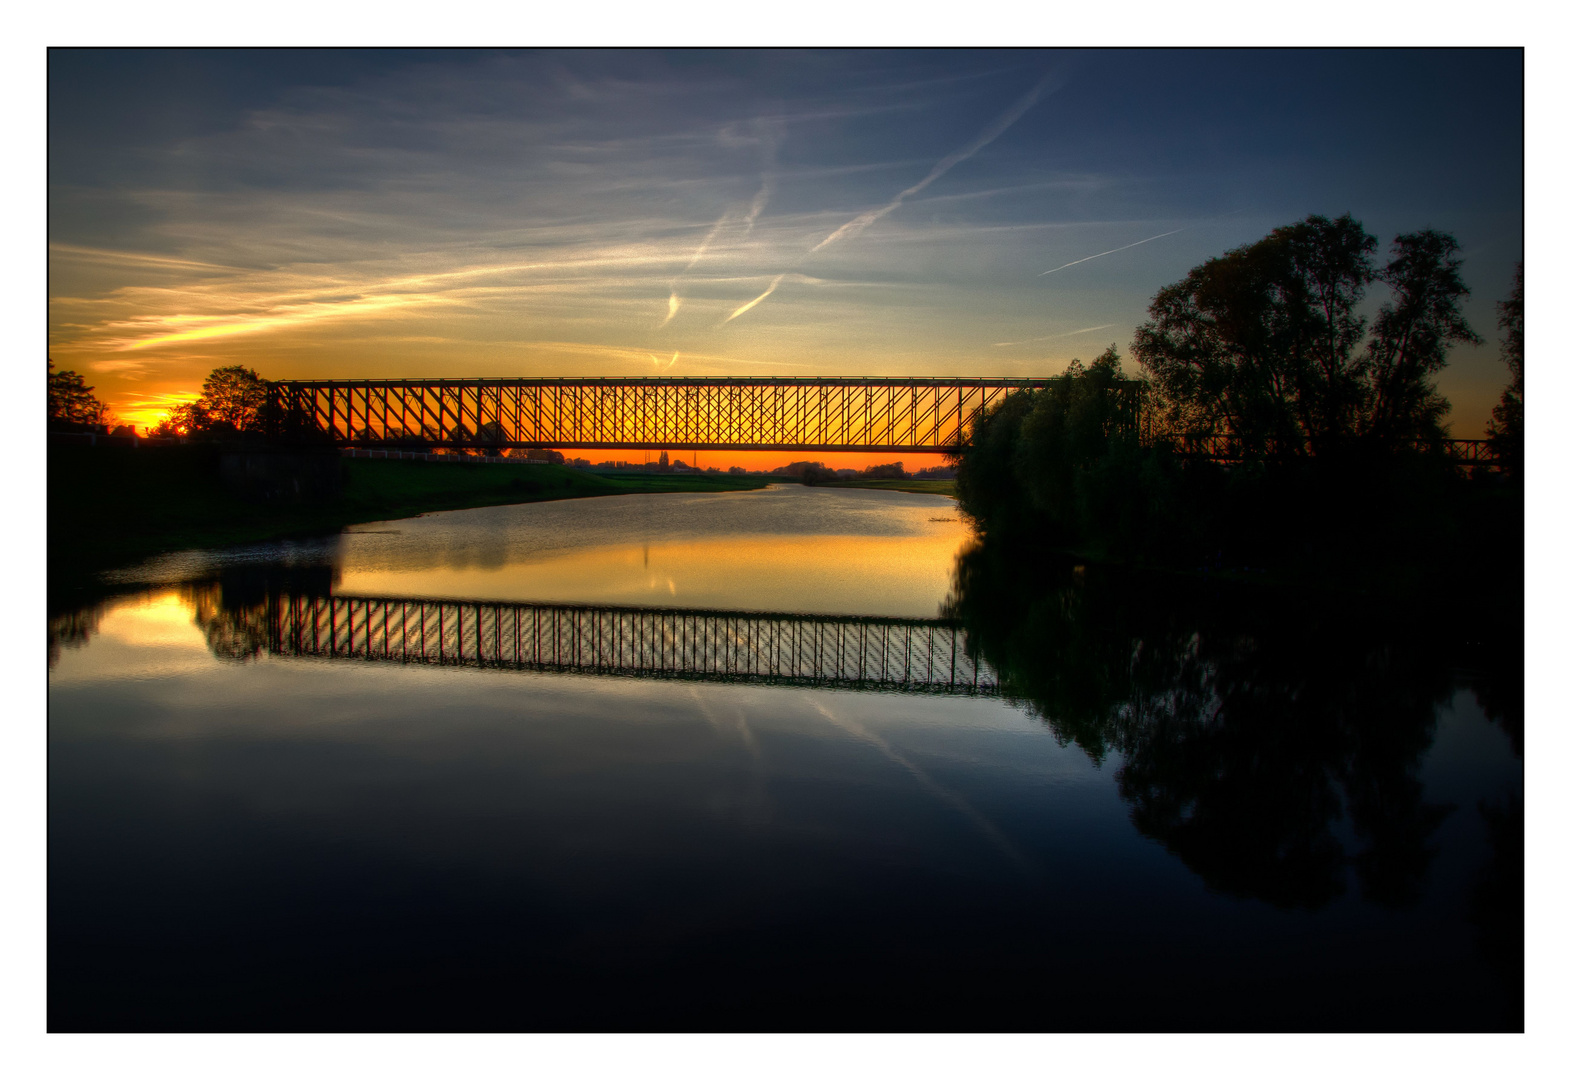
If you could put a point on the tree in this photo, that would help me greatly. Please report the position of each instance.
(1505, 428)
(71, 401)
(234, 397)
(182, 420)
(1047, 458)
(1259, 343)
(1411, 337)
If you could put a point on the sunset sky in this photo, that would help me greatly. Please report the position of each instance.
(371, 214)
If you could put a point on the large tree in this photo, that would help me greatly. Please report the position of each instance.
(1262, 343)
(235, 397)
(1259, 343)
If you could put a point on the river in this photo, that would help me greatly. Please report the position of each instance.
(777, 760)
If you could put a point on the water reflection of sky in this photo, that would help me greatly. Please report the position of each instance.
(787, 548)
(256, 842)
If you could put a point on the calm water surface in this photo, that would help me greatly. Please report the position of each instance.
(707, 762)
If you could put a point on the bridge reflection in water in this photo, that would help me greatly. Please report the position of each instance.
(847, 652)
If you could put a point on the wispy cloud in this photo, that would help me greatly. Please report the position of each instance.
(759, 299)
(992, 131)
(1112, 251)
(987, 135)
(768, 138)
(1052, 337)
(673, 305)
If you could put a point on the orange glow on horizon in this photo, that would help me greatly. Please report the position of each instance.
(761, 460)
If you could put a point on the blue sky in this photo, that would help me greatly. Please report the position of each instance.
(413, 213)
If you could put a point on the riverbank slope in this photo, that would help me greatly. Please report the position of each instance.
(109, 506)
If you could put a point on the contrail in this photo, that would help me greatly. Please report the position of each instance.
(675, 301)
(1099, 254)
(759, 202)
(751, 304)
(1050, 337)
(767, 140)
(863, 220)
(989, 133)
(709, 239)
(756, 207)
(668, 364)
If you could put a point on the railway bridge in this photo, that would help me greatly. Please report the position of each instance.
(924, 656)
(814, 414)
(909, 415)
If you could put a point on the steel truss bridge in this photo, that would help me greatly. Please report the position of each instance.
(820, 415)
(843, 652)
(913, 415)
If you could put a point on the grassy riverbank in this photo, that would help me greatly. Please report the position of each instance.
(109, 506)
(919, 487)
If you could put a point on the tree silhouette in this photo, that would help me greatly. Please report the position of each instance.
(234, 397)
(1411, 336)
(188, 419)
(71, 401)
(1259, 343)
(1505, 430)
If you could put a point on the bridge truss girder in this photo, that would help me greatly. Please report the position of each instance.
(903, 655)
(929, 415)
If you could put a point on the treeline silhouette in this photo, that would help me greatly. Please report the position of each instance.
(1334, 426)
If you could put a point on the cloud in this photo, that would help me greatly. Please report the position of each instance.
(1053, 337)
(673, 304)
(769, 144)
(987, 135)
(751, 304)
(768, 139)
(1112, 251)
(851, 228)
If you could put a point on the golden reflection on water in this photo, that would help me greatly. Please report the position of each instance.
(787, 550)
(904, 576)
(143, 636)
